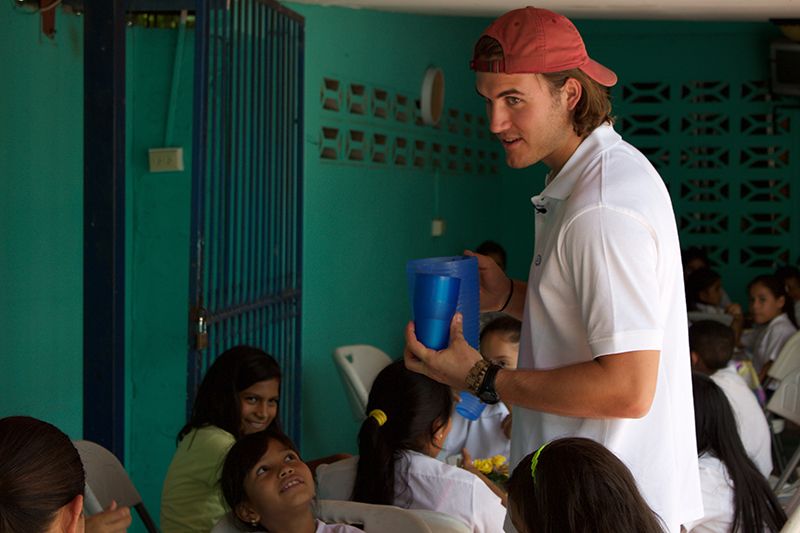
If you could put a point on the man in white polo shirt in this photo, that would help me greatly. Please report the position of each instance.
(604, 339)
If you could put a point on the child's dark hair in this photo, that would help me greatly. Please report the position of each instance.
(40, 472)
(698, 281)
(713, 342)
(694, 253)
(787, 272)
(217, 401)
(508, 326)
(756, 509)
(416, 407)
(493, 248)
(580, 487)
(777, 287)
(241, 459)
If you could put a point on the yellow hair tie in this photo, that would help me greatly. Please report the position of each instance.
(379, 416)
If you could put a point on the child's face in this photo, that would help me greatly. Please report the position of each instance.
(763, 304)
(279, 484)
(258, 405)
(713, 294)
(497, 349)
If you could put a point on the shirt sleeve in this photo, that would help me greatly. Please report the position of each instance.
(611, 257)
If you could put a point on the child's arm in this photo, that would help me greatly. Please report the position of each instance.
(467, 465)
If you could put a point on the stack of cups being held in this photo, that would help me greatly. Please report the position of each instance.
(438, 287)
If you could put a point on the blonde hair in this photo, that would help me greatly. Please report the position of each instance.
(594, 106)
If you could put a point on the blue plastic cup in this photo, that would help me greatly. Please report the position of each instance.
(470, 407)
(435, 301)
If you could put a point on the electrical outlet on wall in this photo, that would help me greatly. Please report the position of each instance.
(166, 159)
(437, 227)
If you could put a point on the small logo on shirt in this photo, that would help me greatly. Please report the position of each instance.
(538, 260)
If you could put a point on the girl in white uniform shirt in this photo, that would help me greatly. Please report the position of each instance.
(489, 434)
(409, 417)
(736, 497)
(773, 315)
(269, 488)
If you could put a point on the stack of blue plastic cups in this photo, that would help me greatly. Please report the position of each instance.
(466, 269)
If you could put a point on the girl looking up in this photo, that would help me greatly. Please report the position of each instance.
(238, 396)
(577, 485)
(736, 496)
(773, 316)
(408, 420)
(268, 487)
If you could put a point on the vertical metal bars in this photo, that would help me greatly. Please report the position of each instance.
(247, 183)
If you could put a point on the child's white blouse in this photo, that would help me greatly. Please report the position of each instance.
(483, 438)
(422, 482)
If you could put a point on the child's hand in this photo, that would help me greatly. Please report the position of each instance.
(505, 425)
(466, 462)
(112, 520)
(734, 309)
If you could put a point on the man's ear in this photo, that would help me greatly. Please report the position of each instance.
(572, 90)
(72, 515)
(247, 513)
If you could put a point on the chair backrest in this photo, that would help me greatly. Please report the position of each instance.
(788, 359)
(359, 365)
(106, 480)
(786, 400)
(374, 518)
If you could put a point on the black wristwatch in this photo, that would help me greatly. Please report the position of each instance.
(486, 391)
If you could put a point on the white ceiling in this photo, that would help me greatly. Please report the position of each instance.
(755, 10)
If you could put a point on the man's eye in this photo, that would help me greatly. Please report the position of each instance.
(513, 100)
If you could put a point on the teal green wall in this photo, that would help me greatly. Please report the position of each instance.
(41, 219)
(362, 223)
(158, 257)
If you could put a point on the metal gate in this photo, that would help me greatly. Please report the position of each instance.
(245, 281)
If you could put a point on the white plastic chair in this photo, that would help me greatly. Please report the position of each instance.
(106, 480)
(372, 518)
(359, 365)
(788, 359)
(793, 524)
(786, 403)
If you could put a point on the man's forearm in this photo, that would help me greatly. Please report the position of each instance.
(612, 386)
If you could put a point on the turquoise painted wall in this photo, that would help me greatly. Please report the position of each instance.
(158, 213)
(363, 222)
(41, 219)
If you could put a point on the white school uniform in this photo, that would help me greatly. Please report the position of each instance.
(766, 341)
(423, 482)
(606, 278)
(322, 527)
(717, 489)
(750, 419)
(483, 438)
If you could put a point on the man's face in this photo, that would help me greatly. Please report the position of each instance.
(530, 121)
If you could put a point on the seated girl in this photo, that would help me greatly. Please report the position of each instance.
(238, 396)
(42, 483)
(773, 316)
(268, 487)
(409, 417)
(736, 496)
(575, 484)
(489, 434)
(41, 478)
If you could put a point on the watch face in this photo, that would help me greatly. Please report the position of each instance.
(489, 397)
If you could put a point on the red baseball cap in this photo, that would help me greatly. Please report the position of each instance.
(537, 41)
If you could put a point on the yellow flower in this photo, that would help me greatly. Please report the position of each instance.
(483, 465)
(498, 460)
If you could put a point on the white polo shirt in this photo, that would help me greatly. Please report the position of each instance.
(606, 278)
(750, 419)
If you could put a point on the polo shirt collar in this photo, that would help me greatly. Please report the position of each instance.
(560, 186)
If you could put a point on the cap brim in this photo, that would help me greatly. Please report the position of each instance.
(599, 73)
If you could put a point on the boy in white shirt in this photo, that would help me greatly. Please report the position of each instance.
(490, 434)
(711, 344)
